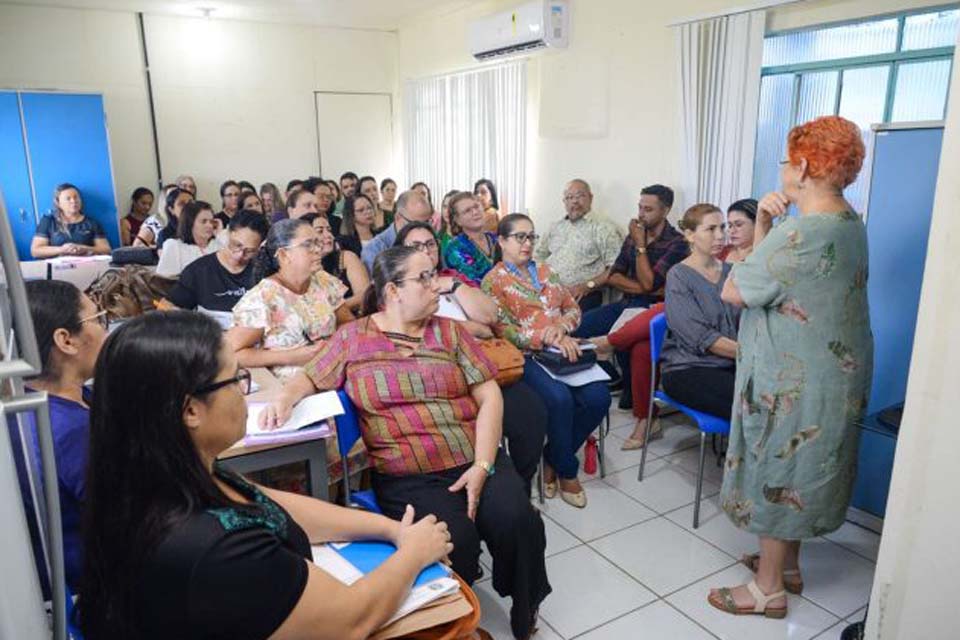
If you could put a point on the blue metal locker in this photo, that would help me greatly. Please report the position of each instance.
(67, 142)
(14, 175)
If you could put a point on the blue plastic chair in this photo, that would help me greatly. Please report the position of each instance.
(705, 422)
(348, 432)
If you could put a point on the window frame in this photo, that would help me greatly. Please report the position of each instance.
(894, 59)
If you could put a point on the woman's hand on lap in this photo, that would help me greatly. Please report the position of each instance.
(473, 480)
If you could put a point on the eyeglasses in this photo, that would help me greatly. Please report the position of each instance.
(310, 245)
(426, 246)
(236, 247)
(100, 317)
(739, 224)
(570, 197)
(426, 278)
(242, 378)
(522, 237)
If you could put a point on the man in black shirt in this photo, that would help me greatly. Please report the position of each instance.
(217, 281)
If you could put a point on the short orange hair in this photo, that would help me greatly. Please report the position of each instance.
(831, 145)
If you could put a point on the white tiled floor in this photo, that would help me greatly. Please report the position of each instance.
(631, 565)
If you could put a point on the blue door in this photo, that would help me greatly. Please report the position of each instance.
(67, 139)
(14, 176)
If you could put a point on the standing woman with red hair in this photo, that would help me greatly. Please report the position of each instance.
(804, 364)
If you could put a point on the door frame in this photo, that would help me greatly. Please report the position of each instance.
(316, 119)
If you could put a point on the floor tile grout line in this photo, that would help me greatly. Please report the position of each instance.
(614, 619)
(693, 620)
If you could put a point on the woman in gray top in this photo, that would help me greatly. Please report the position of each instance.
(697, 365)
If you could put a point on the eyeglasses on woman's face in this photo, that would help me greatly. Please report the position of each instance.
(425, 278)
(313, 244)
(243, 379)
(522, 237)
(99, 317)
(426, 246)
(238, 249)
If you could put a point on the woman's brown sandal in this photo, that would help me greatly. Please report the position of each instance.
(723, 600)
(792, 581)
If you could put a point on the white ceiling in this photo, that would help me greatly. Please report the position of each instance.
(359, 14)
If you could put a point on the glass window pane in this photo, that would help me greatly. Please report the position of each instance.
(776, 103)
(845, 41)
(928, 30)
(862, 99)
(921, 92)
(818, 95)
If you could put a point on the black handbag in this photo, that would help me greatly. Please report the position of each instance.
(559, 365)
(134, 255)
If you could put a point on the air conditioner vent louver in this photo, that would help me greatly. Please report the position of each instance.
(527, 27)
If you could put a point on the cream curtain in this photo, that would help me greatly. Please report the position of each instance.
(465, 126)
(720, 62)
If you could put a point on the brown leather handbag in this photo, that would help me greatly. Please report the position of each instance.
(507, 358)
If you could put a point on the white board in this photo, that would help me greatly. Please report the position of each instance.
(355, 133)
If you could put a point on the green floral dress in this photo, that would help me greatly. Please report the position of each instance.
(804, 367)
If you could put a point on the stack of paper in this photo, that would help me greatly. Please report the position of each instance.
(307, 420)
(350, 562)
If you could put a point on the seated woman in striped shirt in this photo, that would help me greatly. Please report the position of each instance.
(431, 415)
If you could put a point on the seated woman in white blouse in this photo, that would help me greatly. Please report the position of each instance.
(194, 239)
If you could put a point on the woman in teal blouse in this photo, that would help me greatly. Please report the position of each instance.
(473, 252)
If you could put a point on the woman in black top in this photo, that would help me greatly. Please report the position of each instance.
(343, 264)
(179, 548)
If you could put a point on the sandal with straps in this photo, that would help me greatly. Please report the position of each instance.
(723, 600)
(792, 581)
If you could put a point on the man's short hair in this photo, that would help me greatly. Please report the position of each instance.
(580, 181)
(296, 182)
(663, 194)
(349, 174)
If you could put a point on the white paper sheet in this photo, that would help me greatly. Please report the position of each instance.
(580, 378)
(310, 410)
(450, 308)
(626, 316)
(223, 318)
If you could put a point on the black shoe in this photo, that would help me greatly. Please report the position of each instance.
(626, 401)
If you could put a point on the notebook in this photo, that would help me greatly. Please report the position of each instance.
(309, 417)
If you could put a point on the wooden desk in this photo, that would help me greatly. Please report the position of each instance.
(247, 458)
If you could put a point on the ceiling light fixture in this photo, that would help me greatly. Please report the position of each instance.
(206, 12)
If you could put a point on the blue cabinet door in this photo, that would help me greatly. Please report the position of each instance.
(902, 187)
(14, 176)
(67, 138)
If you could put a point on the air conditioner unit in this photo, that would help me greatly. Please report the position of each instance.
(530, 26)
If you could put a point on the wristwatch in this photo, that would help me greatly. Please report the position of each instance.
(591, 284)
(486, 466)
(641, 250)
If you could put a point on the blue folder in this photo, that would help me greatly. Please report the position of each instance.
(367, 556)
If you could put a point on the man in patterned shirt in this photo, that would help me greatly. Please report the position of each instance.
(581, 248)
(651, 248)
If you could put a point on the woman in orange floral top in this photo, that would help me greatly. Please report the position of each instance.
(537, 312)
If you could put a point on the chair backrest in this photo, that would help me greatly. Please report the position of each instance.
(658, 331)
(348, 425)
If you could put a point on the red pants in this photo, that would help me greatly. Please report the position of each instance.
(635, 338)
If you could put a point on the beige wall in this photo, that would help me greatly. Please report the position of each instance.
(233, 99)
(605, 109)
(85, 51)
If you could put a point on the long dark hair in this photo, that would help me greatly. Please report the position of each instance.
(188, 216)
(494, 200)
(349, 225)
(390, 266)
(138, 193)
(54, 304)
(170, 229)
(281, 235)
(747, 206)
(144, 473)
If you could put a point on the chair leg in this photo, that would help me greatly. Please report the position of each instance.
(696, 505)
(646, 438)
(540, 490)
(603, 466)
(346, 486)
